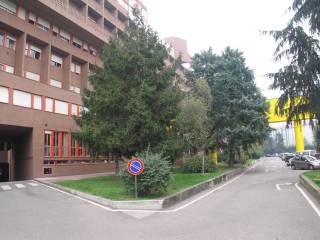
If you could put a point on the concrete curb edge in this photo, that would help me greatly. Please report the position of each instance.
(310, 186)
(157, 204)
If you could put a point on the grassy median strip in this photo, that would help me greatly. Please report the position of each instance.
(111, 187)
(314, 176)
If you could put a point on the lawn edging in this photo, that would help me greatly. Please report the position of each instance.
(156, 204)
(310, 186)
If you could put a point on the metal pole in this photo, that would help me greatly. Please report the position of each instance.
(203, 163)
(135, 186)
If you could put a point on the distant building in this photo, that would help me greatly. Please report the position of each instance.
(179, 47)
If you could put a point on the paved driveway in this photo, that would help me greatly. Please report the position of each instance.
(262, 204)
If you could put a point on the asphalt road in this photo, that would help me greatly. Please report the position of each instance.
(262, 204)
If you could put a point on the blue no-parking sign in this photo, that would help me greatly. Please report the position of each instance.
(135, 166)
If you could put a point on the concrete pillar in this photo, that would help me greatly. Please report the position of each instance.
(66, 72)
(84, 76)
(19, 56)
(45, 64)
(298, 134)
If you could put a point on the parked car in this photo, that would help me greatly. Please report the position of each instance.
(287, 157)
(305, 162)
(309, 153)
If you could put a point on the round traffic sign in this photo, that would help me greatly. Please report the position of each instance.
(135, 166)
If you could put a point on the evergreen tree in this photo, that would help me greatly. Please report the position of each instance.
(299, 79)
(134, 97)
(238, 120)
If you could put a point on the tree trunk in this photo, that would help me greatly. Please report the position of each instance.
(117, 168)
(231, 158)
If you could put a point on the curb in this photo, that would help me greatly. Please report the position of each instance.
(310, 186)
(157, 204)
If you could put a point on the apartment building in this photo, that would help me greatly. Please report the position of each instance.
(47, 50)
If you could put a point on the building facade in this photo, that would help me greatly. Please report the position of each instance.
(47, 50)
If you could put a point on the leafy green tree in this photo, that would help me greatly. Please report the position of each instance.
(299, 78)
(134, 97)
(238, 120)
(193, 121)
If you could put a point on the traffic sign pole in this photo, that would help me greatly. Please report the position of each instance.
(135, 186)
(135, 167)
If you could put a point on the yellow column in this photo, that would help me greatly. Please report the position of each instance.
(214, 156)
(298, 134)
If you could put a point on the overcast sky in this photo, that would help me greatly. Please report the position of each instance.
(221, 23)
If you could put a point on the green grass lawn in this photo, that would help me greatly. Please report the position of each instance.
(314, 176)
(111, 187)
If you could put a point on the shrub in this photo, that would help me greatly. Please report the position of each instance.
(194, 165)
(155, 177)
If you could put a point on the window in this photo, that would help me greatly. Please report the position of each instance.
(74, 152)
(22, 99)
(47, 143)
(77, 42)
(64, 145)
(43, 24)
(33, 76)
(32, 51)
(22, 13)
(1, 38)
(74, 89)
(32, 18)
(49, 104)
(93, 51)
(37, 102)
(124, 4)
(4, 95)
(9, 69)
(6, 68)
(56, 61)
(55, 83)
(65, 36)
(56, 144)
(74, 109)
(8, 6)
(85, 47)
(61, 107)
(76, 68)
(55, 30)
(10, 42)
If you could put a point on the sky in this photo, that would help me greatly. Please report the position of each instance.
(222, 23)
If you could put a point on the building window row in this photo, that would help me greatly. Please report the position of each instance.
(28, 100)
(63, 144)
(44, 25)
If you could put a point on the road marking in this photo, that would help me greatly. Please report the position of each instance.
(6, 187)
(149, 211)
(308, 200)
(33, 184)
(282, 184)
(18, 185)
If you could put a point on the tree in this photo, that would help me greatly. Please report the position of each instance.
(134, 97)
(299, 79)
(238, 120)
(192, 121)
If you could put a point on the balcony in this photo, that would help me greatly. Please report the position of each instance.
(77, 13)
(96, 5)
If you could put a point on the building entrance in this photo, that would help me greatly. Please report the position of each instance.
(15, 153)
